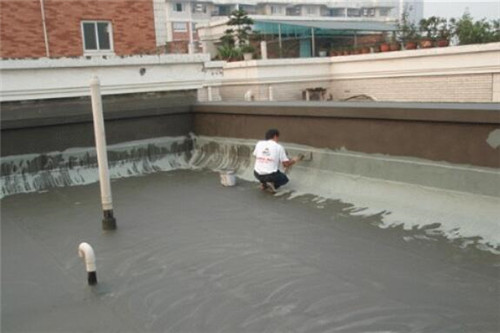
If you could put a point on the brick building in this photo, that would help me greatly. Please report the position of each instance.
(74, 28)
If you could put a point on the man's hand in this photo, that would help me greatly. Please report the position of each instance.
(288, 164)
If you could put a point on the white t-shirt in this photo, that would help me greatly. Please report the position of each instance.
(268, 157)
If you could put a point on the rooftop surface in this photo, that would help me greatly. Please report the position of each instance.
(190, 255)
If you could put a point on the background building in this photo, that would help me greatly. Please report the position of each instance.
(415, 9)
(58, 28)
(177, 20)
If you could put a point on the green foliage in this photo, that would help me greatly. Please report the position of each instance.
(229, 53)
(236, 40)
(470, 32)
(429, 27)
(228, 38)
(406, 30)
(248, 48)
(446, 29)
(243, 26)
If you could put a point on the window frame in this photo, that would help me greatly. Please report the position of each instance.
(310, 10)
(96, 30)
(175, 4)
(180, 31)
(203, 6)
(276, 10)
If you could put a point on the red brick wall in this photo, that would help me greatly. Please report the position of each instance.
(21, 30)
(22, 33)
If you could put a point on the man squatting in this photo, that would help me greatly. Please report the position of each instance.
(269, 155)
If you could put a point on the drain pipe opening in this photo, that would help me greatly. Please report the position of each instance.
(86, 252)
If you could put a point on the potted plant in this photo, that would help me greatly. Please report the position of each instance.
(445, 31)
(247, 51)
(385, 45)
(334, 53)
(228, 53)
(406, 32)
(429, 29)
(365, 49)
(394, 45)
(236, 40)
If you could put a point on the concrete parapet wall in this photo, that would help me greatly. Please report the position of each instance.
(56, 125)
(452, 133)
(40, 79)
(237, 154)
(454, 74)
(443, 88)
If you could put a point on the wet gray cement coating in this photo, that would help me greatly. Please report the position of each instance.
(192, 256)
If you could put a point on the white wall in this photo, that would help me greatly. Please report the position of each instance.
(468, 73)
(461, 73)
(62, 78)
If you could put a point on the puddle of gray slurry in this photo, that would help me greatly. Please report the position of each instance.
(192, 256)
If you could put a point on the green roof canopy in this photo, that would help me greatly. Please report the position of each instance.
(326, 27)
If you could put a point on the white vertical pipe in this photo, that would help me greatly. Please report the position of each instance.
(279, 40)
(313, 43)
(209, 91)
(263, 49)
(271, 93)
(44, 26)
(102, 157)
(86, 252)
(190, 30)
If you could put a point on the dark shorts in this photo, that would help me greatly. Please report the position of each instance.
(277, 178)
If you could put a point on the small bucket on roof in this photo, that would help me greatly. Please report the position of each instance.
(227, 177)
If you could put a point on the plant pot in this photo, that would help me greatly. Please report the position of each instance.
(425, 43)
(334, 53)
(395, 46)
(365, 50)
(442, 43)
(247, 56)
(322, 53)
(385, 47)
(410, 45)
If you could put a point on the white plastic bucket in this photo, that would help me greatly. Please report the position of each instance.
(227, 177)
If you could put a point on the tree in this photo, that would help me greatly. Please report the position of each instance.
(406, 30)
(243, 26)
(470, 32)
(236, 39)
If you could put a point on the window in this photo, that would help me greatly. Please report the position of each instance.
(311, 10)
(199, 8)
(353, 12)
(368, 11)
(178, 7)
(224, 10)
(275, 10)
(179, 26)
(97, 36)
(337, 12)
(384, 11)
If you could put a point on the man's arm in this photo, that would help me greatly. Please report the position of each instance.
(293, 160)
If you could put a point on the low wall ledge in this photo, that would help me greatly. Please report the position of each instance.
(488, 113)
